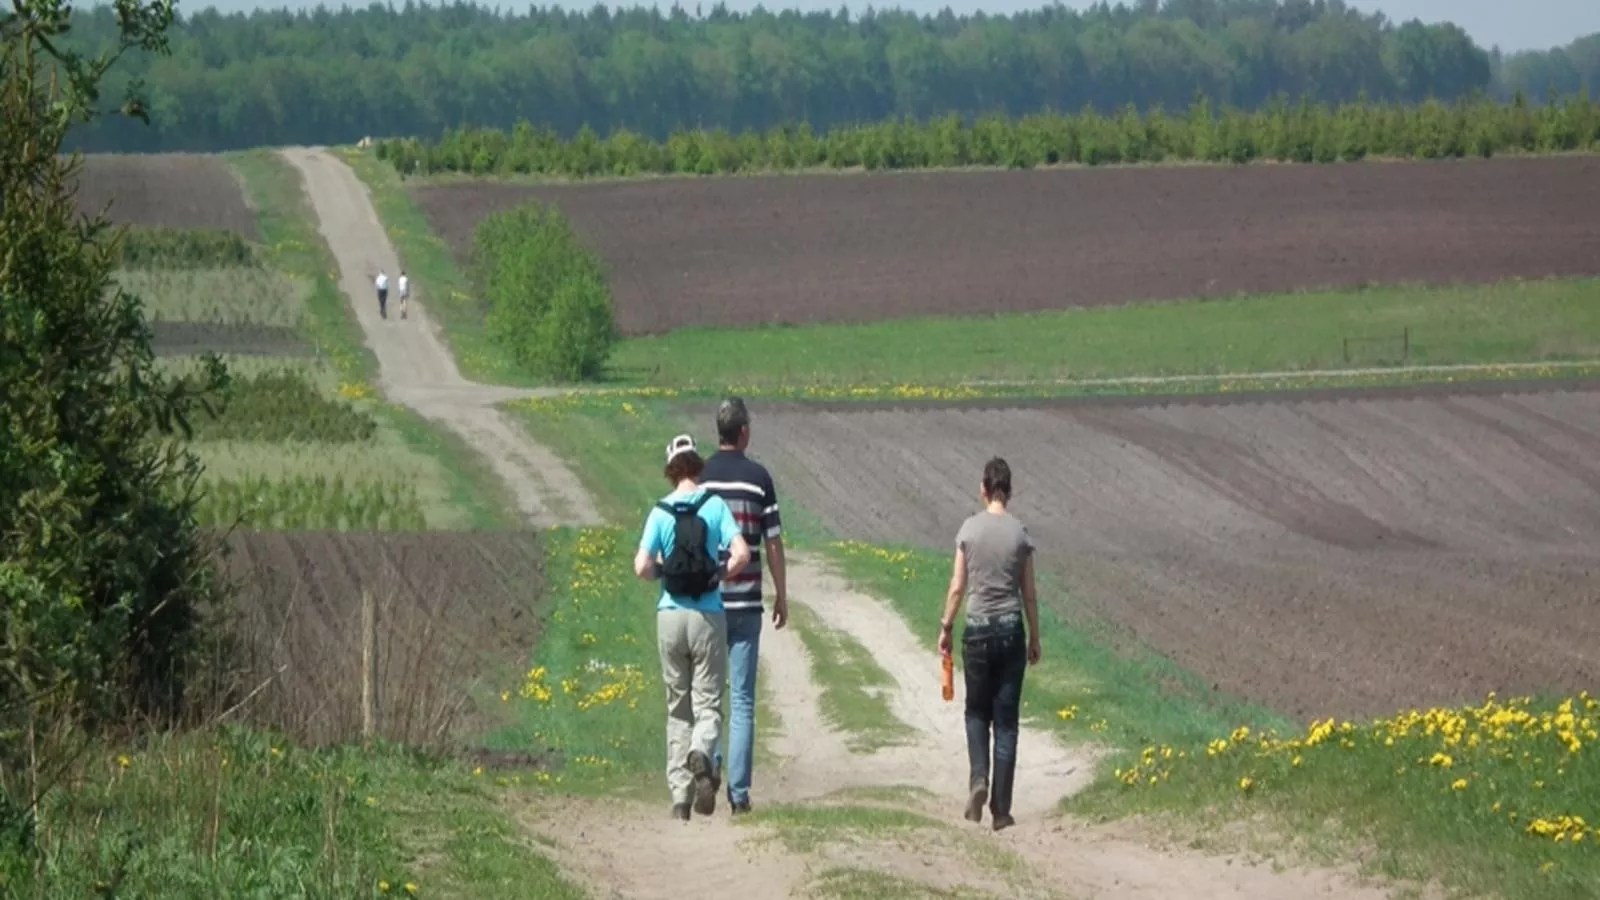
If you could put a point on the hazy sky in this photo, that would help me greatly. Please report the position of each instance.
(1513, 24)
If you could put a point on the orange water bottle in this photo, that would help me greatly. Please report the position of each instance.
(948, 678)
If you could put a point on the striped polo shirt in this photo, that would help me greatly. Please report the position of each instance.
(747, 488)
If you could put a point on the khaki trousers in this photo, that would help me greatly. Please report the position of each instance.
(694, 665)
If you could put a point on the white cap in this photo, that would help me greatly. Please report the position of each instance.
(683, 443)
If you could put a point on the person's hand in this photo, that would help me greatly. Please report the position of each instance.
(1033, 649)
(780, 613)
(944, 639)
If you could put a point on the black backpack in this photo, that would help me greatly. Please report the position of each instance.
(688, 570)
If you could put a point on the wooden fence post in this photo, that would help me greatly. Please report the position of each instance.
(368, 631)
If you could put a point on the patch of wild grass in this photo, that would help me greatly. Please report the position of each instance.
(231, 812)
(1503, 323)
(220, 296)
(592, 692)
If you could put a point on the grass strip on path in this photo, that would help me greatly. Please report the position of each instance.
(853, 684)
(1509, 322)
(437, 282)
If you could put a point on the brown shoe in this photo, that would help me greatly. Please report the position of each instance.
(980, 793)
(706, 783)
(680, 811)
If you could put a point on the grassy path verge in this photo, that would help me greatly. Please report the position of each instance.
(1511, 322)
(235, 812)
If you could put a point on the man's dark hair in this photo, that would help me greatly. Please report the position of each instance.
(997, 480)
(731, 417)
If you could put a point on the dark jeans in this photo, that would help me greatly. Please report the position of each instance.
(383, 303)
(994, 655)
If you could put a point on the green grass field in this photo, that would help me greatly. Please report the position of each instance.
(1553, 321)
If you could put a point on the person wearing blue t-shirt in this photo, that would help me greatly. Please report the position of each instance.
(691, 631)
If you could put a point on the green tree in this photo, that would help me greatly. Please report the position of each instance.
(103, 572)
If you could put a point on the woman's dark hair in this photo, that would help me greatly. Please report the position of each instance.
(687, 464)
(997, 480)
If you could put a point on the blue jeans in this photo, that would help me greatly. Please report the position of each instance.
(744, 646)
(995, 659)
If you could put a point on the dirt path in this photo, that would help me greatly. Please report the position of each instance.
(414, 367)
(631, 850)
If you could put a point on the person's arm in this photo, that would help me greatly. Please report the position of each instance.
(780, 585)
(952, 600)
(738, 556)
(731, 539)
(644, 561)
(1030, 608)
(772, 532)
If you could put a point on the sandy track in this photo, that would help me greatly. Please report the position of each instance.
(414, 368)
(619, 850)
(624, 850)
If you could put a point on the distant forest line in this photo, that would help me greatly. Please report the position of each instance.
(279, 77)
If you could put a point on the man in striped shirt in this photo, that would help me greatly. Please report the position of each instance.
(747, 488)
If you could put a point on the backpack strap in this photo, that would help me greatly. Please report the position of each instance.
(673, 509)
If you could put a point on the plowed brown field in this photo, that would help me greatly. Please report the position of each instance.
(176, 190)
(795, 249)
(449, 607)
(1342, 556)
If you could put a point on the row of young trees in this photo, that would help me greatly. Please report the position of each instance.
(1305, 132)
(275, 77)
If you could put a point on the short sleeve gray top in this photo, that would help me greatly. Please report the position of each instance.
(996, 547)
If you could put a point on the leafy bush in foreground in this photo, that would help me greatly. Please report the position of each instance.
(104, 573)
(549, 303)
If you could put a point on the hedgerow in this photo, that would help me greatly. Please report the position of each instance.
(1304, 132)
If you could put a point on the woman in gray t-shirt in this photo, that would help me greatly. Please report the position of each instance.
(994, 571)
